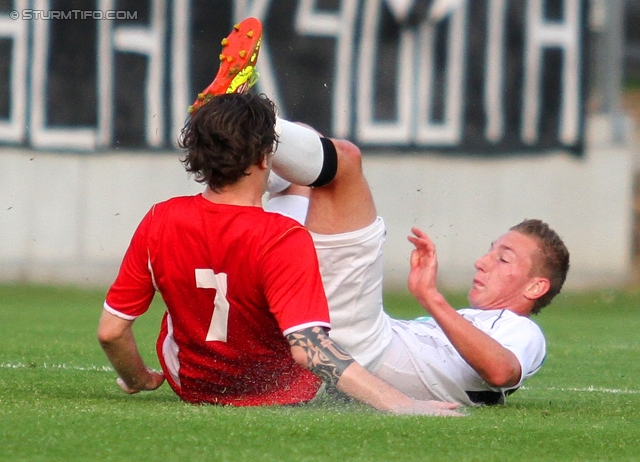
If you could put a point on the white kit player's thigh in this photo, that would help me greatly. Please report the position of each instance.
(351, 265)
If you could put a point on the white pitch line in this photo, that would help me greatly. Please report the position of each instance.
(46, 366)
(55, 366)
(614, 391)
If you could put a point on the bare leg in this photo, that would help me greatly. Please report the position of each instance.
(346, 203)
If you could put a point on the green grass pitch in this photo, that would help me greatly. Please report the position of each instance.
(59, 400)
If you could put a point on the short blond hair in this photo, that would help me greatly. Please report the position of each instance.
(551, 261)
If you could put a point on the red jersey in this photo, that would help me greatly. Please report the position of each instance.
(235, 280)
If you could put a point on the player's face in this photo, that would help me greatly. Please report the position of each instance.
(504, 273)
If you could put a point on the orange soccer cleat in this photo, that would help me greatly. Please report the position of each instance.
(238, 59)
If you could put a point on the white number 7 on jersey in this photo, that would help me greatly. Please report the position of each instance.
(207, 279)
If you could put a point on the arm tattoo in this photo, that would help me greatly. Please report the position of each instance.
(324, 357)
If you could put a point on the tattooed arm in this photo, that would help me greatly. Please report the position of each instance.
(313, 349)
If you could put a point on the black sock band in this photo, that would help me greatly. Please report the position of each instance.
(329, 165)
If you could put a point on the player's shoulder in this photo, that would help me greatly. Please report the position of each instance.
(271, 231)
(281, 220)
(254, 224)
(276, 225)
(497, 318)
(490, 313)
(174, 202)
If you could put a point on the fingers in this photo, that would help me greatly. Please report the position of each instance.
(444, 409)
(154, 381)
(415, 240)
(419, 235)
(414, 260)
(418, 232)
(434, 408)
(158, 379)
(445, 405)
(420, 238)
(125, 388)
(425, 249)
(447, 409)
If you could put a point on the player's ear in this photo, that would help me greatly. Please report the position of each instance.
(263, 163)
(266, 160)
(537, 288)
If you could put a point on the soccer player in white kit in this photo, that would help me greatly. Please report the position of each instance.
(472, 356)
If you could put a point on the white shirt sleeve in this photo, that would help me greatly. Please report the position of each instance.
(524, 339)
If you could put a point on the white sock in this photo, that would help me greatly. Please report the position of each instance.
(291, 205)
(302, 156)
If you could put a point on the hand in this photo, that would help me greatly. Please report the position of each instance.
(435, 408)
(424, 266)
(152, 382)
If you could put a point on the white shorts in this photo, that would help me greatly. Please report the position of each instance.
(351, 266)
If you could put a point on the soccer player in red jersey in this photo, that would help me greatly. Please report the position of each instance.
(247, 316)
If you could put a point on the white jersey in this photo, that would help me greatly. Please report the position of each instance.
(446, 374)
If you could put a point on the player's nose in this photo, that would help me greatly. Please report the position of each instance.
(482, 263)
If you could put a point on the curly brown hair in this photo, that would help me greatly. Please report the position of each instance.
(226, 136)
(551, 261)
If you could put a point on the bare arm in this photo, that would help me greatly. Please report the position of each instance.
(313, 349)
(497, 366)
(116, 338)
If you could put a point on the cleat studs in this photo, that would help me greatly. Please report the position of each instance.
(237, 74)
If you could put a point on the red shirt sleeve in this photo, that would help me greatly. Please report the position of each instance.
(133, 290)
(293, 285)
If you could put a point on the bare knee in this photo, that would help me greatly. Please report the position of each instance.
(345, 204)
(349, 158)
